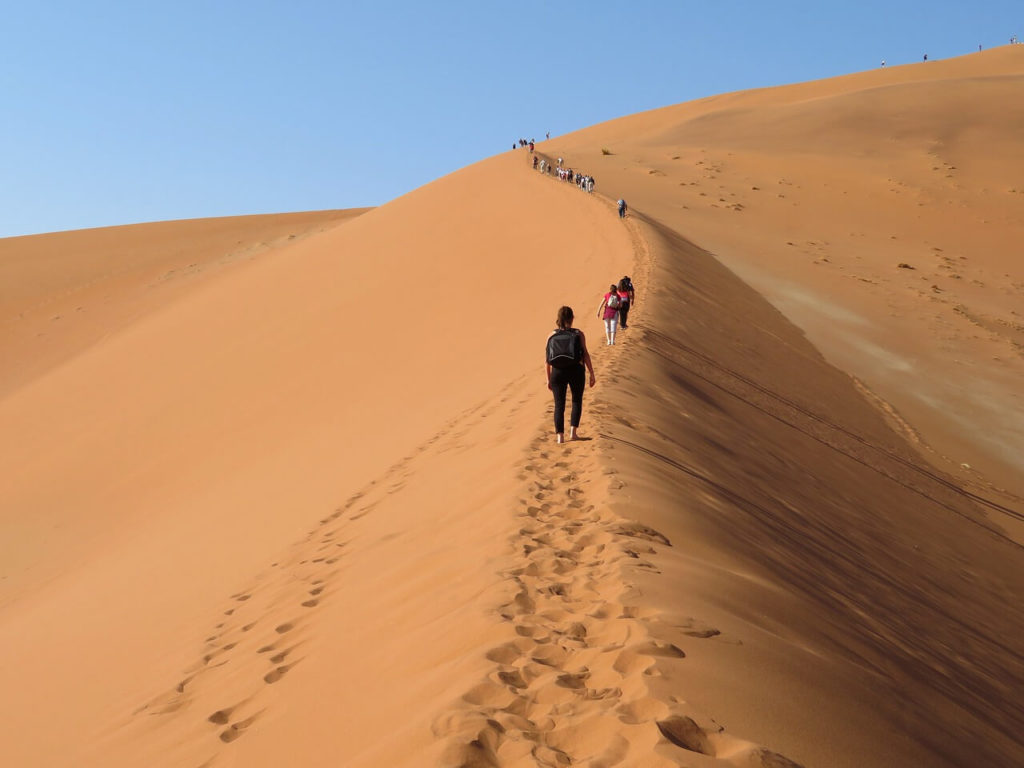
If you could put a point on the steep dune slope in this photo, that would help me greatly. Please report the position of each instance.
(148, 476)
(881, 212)
(875, 601)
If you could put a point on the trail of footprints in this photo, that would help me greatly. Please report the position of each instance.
(269, 620)
(572, 684)
(574, 673)
(273, 618)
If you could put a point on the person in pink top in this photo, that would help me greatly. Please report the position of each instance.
(627, 298)
(609, 312)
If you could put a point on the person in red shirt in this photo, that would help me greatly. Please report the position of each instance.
(627, 296)
(609, 312)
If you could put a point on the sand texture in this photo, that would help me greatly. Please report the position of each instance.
(283, 490)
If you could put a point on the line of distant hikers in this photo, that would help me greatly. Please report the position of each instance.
(581, 180)
(567, 358)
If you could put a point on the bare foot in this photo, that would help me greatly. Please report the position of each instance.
(559, 438)
(572, 434)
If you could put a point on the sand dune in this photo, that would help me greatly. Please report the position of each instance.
(305, 509)
(190, 447)
(880, 212)
(62, 292)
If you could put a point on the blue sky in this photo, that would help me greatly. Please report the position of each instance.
(120, 112)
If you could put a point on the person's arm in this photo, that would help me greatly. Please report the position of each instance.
(600, 309)
(586, 359)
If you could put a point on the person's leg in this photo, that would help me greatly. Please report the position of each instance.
(577, 380)
(623, 314)
(559, 381)
(612, 324)
(607, 331)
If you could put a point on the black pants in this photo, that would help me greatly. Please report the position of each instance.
(623, 313)
(573, 378)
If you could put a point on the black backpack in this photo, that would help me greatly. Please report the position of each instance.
(565, 348)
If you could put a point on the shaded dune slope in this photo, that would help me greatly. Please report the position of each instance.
(801, 513)
(880, 211)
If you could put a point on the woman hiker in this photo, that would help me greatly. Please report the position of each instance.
(609, 312)
(567, 354)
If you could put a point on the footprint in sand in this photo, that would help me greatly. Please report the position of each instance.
(278, 658)
(237, 729)
(687, 734)
(703, 634)
(575, 680)
(276, 674)
(642, 710)
(221, 716)
(512, 678)
(504, 654)
(684, 732)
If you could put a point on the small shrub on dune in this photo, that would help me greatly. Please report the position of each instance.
(605, 151)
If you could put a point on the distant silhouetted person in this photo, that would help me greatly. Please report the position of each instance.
(622, 208)
(926, 57)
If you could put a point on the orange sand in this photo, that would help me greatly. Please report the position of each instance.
(273, 500)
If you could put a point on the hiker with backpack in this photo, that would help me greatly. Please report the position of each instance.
(566, 355)
(626, 297)
(622, 208)
(609, 312)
